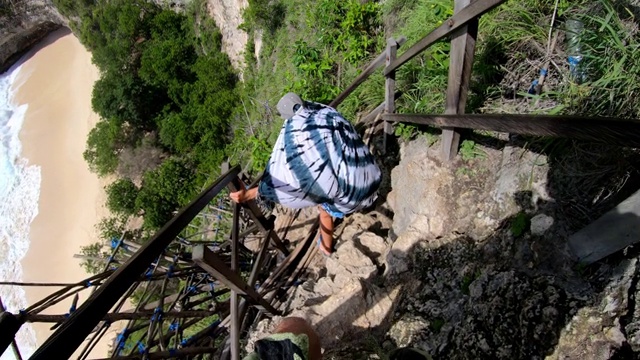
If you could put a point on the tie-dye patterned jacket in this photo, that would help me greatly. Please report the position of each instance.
(319, 159)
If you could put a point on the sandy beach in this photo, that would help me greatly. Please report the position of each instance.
(56, 83)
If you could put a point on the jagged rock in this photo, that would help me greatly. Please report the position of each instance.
(540, 224)
(260, 330)
(302, 294)
(355, 308)
(31, 22)
(374, 245)
(228, 17)
(324, 287)
(404, 330)
(616, 301)
(349, 262)
(519, 170)
(595, 331)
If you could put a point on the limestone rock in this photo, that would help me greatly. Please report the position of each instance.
(24, 25)
(228, 17)
(540, 224)
(353, 310)
(348, 259)
(405, 329)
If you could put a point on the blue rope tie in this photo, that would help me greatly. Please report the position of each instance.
(88, 283)
(191, 289)
(184, 342)
(148, 274)
(170, 271)
(157, 314)
(141, 348)
(174, 326)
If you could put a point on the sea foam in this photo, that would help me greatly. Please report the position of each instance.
(19, 193)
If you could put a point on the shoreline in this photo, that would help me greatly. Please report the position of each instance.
(56, 81)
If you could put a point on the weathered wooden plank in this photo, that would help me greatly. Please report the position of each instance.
(70, 335)
(611, 233)
(235, 315)
(364, 75)
(210, 262)
(389, 90)
(7, 325)
(620, 132)
(119, 316)
(463, 44)
(472, 11)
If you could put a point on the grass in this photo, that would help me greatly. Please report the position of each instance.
(469, 151)
(519, 224)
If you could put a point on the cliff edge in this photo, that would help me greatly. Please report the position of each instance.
(24, 24)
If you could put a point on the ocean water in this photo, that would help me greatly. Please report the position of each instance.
(19, 193)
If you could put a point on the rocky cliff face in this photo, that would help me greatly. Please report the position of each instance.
(228, 16)
(472, 264)
(24, 24)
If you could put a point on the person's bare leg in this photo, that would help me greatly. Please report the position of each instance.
(299, 326)
(326, 230)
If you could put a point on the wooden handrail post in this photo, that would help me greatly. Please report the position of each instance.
(389, 90)
(235, 315)
(463, 45)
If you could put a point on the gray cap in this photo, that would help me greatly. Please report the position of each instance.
(286, 104)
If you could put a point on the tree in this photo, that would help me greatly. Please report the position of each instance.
(126, 98)
(115, 32)
(103, 145)
(93, 263)
(167, 61)
(121, 197)
(163, 190)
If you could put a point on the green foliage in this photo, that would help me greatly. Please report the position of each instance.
(73, 8)
(611, 50)
(94, 264)
(115, 31)
(111, 227)
(103, 145)
(164, 190)
(313, 67)
(405, 131)
(469, 151)
(121, 196)
(519, 224)
(264, 14)
(350, 26)
(126, 98)
(436, 324)
(430, 138)
(467, 279)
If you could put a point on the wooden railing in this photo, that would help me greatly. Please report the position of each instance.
(213, 266)
(462, 28)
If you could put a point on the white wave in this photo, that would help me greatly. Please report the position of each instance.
(19, 194)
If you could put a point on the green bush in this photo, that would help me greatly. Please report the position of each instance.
(121, 197)
(164, 190)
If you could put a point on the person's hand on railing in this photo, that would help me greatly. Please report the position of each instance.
(244, 195)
